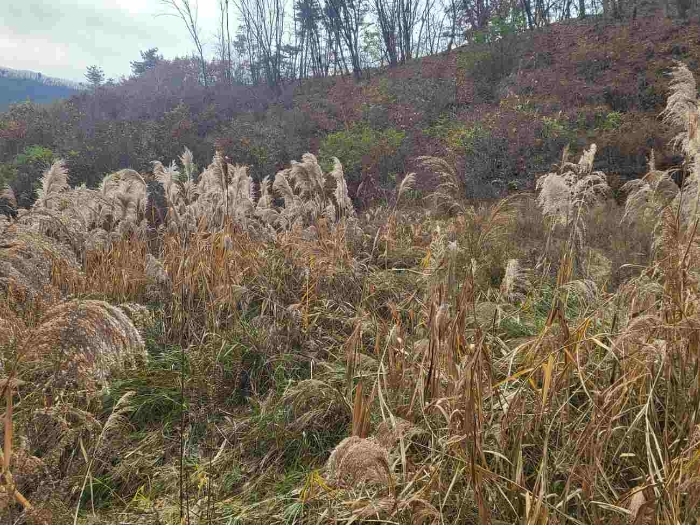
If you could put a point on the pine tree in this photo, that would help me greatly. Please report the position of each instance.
(95, 76)
(149, 60)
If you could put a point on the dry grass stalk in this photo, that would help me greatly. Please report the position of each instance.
(315, 405)
(450, 191)
(7, 483)
(515, 283)
(361, 411)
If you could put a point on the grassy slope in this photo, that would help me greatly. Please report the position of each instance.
(536, 93)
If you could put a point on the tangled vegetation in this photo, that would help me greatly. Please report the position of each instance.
(198, 348)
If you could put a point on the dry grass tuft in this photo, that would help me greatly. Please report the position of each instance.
(31, 267)
(84, 343)
(515, 283)
(315, 406)
(357, 460)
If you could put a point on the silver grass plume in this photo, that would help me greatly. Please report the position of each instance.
(188, 167)
(282, 187)
(158, 170)
(265, 200)
(214, 179)
(563, 195)
(342, 198)
(169, 178)
(132, 179)
(648, 196)
(54, 180)
(240, 193)
(308, 175)
(687, 201)
(682, 109)
(264, 208)
(407, 184)
(124, 205)
(515, 283)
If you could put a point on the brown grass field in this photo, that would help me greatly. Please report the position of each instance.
(195, 348)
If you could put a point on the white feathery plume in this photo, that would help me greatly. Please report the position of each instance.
(342, 199)
(515, 283)
(682, 109)
(188, 167)
(55, 180)
(562, 195)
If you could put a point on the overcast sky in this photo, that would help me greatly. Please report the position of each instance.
(60, 38)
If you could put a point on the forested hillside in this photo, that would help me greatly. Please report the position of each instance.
(21, 86)
(501, 106)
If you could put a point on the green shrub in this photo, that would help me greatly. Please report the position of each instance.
(25, 171)
(34, 155)
(362, 148)
(457, 135)
(7, 174)
(552, 127)
(612, 121)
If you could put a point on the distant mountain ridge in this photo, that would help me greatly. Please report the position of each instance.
(7, 72)
(21, 85)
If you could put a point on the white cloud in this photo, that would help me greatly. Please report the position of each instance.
(61, 38)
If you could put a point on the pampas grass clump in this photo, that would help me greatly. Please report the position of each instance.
(316, 405)
(85, 343)
(54, 181)
(309, 194)
(28, 264)
(564, 194)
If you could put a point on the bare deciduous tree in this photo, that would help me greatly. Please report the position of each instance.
(346, 18)
(263, 21)
(224, 42)
(187, 12)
